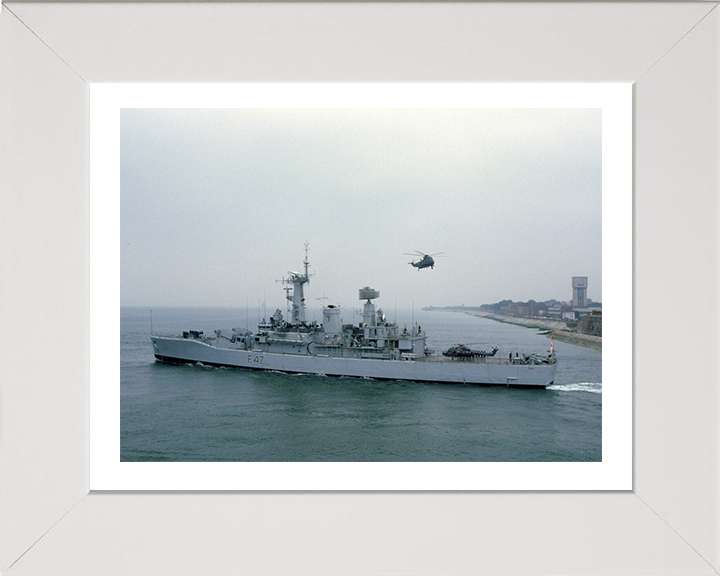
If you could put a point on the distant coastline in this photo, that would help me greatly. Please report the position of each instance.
(558, 328)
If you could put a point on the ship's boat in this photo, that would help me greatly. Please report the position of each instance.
(374, 348)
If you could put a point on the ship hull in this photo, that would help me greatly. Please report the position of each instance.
(440, 370)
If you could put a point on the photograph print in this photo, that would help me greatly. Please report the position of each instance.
(361, 285)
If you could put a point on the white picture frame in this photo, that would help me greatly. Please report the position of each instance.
(50, 52)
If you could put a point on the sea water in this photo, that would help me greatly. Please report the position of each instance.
(193, 413)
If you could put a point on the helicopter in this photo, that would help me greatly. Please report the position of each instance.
(426, 260)
(463, 351)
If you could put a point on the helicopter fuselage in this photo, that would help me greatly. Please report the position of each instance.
(426, 262)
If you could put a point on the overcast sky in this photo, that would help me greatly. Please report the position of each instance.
(216, 205)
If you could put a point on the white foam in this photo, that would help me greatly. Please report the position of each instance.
(594, 387)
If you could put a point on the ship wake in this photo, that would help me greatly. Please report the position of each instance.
(593, 387)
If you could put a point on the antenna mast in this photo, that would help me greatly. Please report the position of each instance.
(306, 262)
(297, 299)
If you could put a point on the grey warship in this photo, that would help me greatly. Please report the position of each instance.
(374, 348)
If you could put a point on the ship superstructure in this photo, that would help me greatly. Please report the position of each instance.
(373, 348)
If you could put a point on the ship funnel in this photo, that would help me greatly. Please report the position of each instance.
(331, 320)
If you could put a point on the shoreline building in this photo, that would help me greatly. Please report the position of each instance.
(579, 287)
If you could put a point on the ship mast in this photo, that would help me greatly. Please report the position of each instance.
(299, 280)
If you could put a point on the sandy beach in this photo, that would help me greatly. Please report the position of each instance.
(559, 329)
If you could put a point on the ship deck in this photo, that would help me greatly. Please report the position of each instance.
(491, 360)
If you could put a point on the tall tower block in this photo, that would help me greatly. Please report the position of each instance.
(579, 286)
